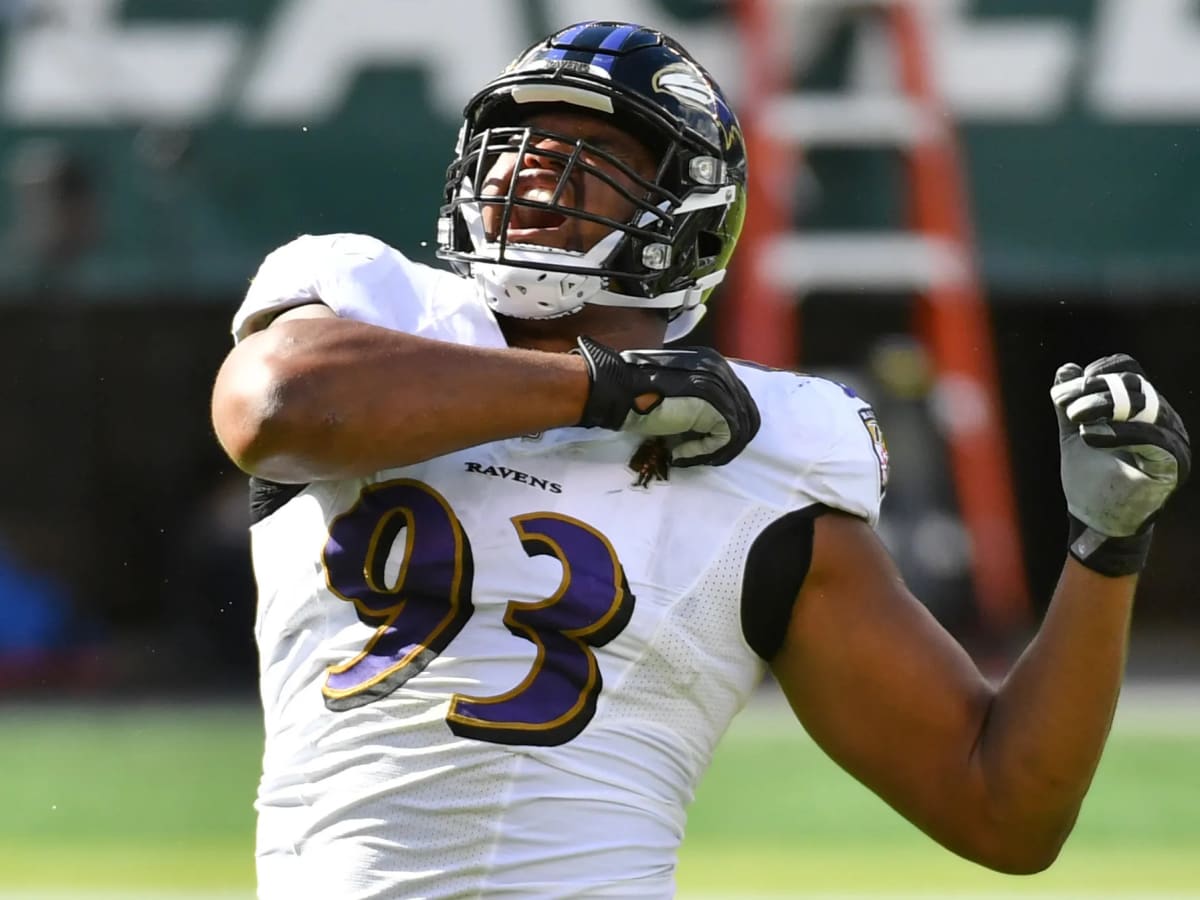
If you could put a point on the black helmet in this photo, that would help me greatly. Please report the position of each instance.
(674, 248)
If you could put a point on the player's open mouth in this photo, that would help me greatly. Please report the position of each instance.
(526, 219)
(537, 186)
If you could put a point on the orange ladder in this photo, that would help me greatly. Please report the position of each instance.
(933, 259)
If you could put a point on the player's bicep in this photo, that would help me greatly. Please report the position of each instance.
(879, 684)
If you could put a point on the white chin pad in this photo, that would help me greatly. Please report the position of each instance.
(530, 294)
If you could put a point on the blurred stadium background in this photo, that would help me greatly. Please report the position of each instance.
(951, 198)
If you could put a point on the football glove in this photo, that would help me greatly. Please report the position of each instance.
(1124, 452)
(702, 408)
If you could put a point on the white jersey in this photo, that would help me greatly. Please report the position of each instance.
(501, 673)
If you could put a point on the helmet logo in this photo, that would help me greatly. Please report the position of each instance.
(686, 85)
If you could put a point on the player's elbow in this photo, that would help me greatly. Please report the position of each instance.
(256, 412)
(1023, 857)
(1039, 861)
(1018, 848)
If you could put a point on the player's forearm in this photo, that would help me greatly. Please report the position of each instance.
(1049, 721)
(330, 398)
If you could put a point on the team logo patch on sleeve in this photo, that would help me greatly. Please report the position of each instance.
(871, 423)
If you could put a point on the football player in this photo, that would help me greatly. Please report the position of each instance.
(519, 566)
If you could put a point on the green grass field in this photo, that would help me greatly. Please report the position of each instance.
(154, 802)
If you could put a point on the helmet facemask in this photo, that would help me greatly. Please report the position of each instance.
(549, 280)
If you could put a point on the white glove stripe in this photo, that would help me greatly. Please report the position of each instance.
(1116, 387)
(1149, 413)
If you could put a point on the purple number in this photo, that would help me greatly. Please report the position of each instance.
(429, 601)
(417, 615)
(592, 605)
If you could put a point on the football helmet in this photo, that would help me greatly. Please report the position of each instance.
(673, 249)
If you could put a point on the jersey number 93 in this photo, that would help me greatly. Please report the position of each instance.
(417, 615)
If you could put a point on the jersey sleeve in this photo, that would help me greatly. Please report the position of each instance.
(847, 467)
(357, 276)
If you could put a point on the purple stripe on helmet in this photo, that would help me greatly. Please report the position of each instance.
(603, 61)
(617, 38)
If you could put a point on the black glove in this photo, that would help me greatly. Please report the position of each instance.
(1124, 452)
(701, 403)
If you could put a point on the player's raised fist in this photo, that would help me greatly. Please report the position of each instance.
(1124, 452)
